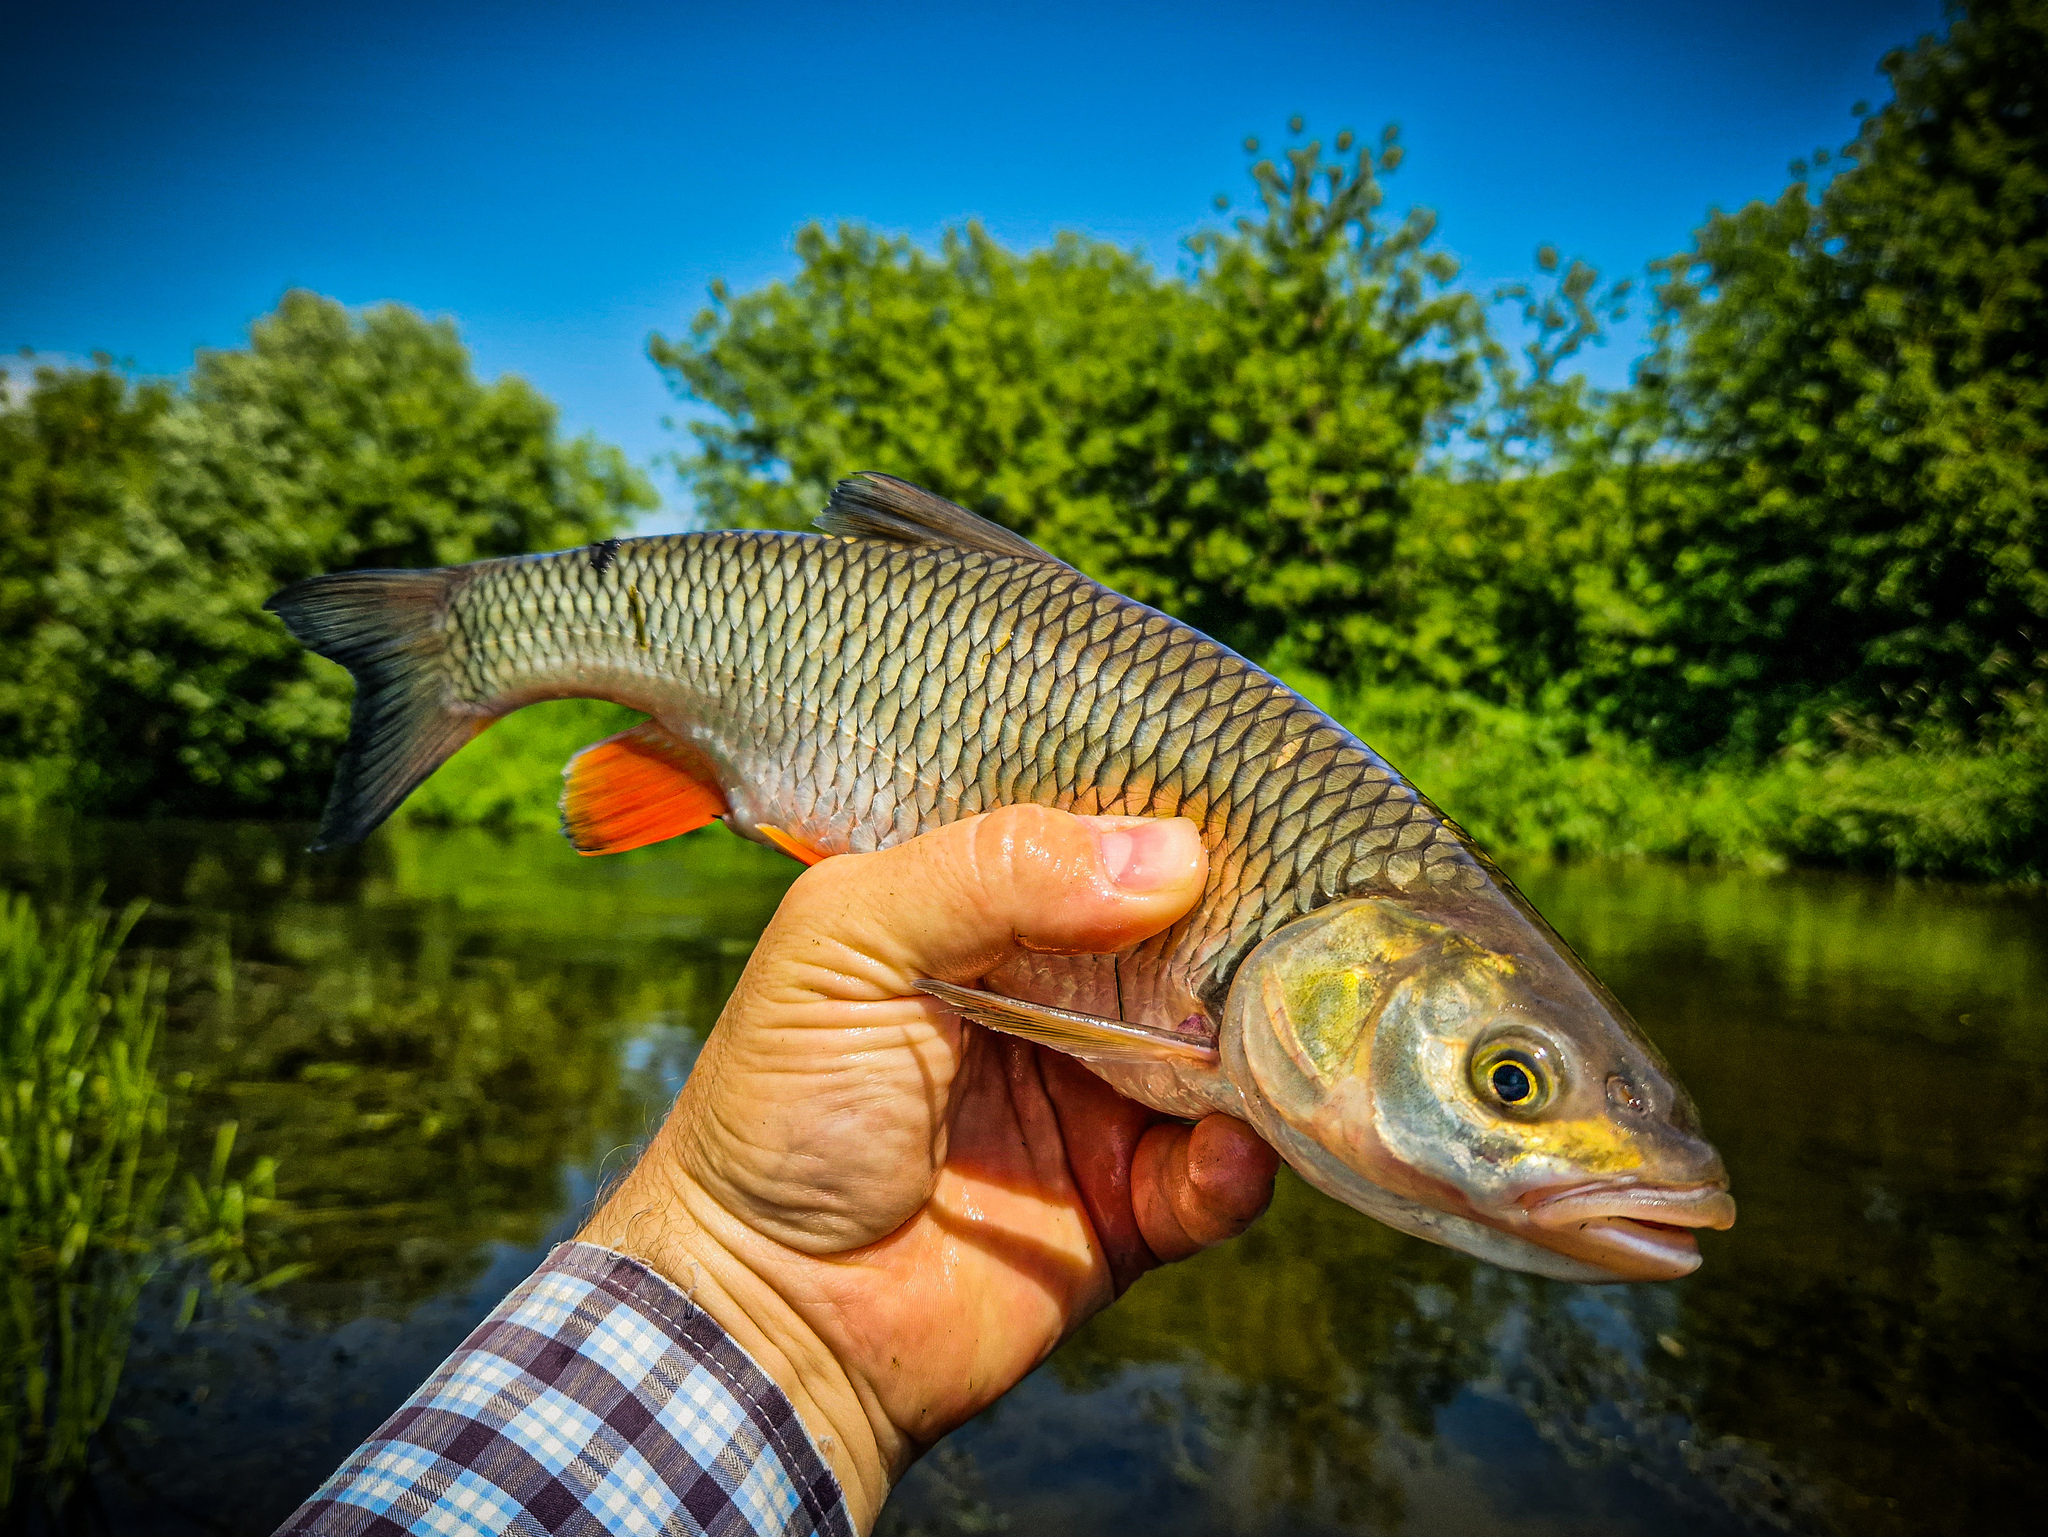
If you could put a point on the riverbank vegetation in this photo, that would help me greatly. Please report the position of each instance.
(90, 1215)
(142, 526)
(1784, 598)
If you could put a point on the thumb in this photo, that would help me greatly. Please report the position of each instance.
(957, 902)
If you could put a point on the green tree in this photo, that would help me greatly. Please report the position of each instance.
(77, 456)
(1511, 578)
(1332, 354)
(1001, 377)
(1863, 387)
(333, 440)
(1235, 444)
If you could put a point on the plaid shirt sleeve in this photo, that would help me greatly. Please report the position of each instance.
(595, 1400)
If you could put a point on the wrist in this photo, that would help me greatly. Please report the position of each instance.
(663, 1218)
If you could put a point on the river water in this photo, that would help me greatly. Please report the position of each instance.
(448, 1039)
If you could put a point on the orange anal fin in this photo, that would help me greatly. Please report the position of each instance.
(794, 847)
(633, 789)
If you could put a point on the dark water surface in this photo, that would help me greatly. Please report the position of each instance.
(449, 1039)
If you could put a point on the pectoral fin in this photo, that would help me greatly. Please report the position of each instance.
(1079, 1035)
(633, 789)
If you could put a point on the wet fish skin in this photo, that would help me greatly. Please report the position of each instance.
(857, 691)
(857, 694)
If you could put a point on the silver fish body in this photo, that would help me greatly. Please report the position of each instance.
(915, 666)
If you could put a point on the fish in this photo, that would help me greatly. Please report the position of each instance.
(1358, 981)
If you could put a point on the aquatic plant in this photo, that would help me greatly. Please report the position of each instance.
(86, 1164)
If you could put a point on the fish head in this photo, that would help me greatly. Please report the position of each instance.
(1453, 1069)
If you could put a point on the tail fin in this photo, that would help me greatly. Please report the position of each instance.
(388, 629)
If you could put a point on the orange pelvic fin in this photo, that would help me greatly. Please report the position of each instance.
(633, 789)
(791, 845)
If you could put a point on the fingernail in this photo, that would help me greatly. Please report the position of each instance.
(1143, 854)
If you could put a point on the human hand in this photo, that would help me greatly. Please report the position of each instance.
(898, 1215)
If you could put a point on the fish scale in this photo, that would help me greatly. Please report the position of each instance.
(1354, 979)
(827, 676)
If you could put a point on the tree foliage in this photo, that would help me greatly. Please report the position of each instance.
(1863, 392)
(1816, 521)
(1816, 517)
(144, 527)
(78, 452)
(1006, 377)
(1236, 444)
(1806, 540)
(1514, 579)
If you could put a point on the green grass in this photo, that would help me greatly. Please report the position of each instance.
(86, 1165)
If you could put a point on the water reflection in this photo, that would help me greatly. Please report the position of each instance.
(447, 1040)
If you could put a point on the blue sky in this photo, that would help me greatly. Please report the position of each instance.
(563, 179)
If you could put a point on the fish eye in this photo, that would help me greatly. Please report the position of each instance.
(1512, 1083)
(1514, 1078)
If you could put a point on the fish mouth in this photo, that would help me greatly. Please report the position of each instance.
(1639, 1232)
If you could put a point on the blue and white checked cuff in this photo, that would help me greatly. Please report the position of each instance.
(595, 1400)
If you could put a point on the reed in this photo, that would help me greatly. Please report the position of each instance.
(86, 1163)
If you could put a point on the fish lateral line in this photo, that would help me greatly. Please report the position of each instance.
(919, 663)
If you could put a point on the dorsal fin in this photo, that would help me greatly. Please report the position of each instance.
(876, 506)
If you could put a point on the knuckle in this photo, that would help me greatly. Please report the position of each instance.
(1027, 842)
(1014, 827)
